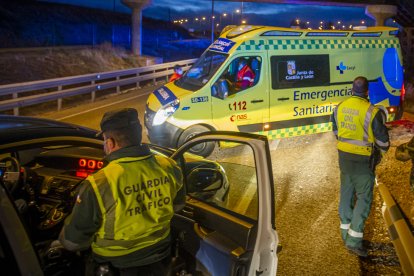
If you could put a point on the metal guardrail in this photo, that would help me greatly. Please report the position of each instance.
(57, 89)
(399, 231)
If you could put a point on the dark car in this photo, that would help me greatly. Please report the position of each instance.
(226, 228)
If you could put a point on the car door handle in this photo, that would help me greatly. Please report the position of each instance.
(202, 232)
(256, 101)
(282, 99)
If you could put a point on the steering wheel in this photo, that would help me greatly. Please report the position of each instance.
(11, 175)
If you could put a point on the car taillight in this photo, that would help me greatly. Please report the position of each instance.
(402, 93)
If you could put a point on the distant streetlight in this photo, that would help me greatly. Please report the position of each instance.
(339, 22)
(204, 18)
(224, 15)
(362, 22)
(243, 21)
(196, 19)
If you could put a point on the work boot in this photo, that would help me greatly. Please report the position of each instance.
(359, 251)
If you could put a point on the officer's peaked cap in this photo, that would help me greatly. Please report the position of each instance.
(118, 119)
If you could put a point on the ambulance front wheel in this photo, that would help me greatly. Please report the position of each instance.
(203, 149)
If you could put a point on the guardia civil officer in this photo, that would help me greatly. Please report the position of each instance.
(362, 139)
(123, 211)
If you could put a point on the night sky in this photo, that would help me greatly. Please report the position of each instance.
(258, 14)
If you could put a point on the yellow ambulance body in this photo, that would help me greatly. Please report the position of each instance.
(299, 76)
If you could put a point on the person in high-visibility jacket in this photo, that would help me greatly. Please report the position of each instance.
(245, 75)
(178, 73)
(361, 132)
(123, 211)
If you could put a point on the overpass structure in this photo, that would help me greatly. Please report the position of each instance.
(403, 13)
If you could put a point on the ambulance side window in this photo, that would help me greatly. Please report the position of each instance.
(299, 71)
(241, 74)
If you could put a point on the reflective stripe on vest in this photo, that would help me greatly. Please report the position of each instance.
(135, 196)
(354, 122)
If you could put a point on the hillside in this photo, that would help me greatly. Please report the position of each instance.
(102, 37)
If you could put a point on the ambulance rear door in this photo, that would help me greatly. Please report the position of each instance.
(241, 108)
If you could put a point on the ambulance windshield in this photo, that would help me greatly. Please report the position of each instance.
(202, 71)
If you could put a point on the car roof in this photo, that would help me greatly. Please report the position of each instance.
(22, 128)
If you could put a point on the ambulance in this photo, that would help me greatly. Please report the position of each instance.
(299, 76)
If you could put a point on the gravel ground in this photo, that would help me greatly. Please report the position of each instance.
(306, 176)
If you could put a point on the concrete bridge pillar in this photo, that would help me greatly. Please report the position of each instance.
(380, 13)
(137, 6)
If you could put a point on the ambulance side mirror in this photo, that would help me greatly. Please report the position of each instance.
(220, 89)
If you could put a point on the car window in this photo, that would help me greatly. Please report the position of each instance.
(242, 73)
(226, 179)
(299, 71)
(201, 72)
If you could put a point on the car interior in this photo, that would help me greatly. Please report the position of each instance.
(43, 181)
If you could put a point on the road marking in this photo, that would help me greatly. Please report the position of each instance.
(251, 190)
(102, 106)
(247, 196)
(322, 218)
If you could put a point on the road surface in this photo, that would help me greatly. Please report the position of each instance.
(306, 177)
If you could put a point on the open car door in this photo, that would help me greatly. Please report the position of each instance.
(227, 226)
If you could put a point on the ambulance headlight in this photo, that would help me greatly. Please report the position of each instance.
(165, 112)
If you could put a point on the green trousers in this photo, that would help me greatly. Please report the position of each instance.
(355, 205)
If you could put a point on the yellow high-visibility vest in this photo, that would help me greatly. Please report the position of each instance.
(354, 122)
(135, 196)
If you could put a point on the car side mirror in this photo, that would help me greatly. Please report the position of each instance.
(220, 89)
(204, 180)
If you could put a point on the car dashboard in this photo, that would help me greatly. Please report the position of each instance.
(53, 180)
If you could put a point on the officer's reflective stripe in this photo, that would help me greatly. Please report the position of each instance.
(367, 121)
(335, 112)
(355, 142)
(382, 144)
(157, 235)
(355, 234)
(108, 200)
(345, 226)
(248, 79)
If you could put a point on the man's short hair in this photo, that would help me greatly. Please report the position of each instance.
(123, 126)
(176, 67)
(360, 86)
(125, 137)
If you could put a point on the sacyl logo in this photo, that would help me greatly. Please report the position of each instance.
(341, 67)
